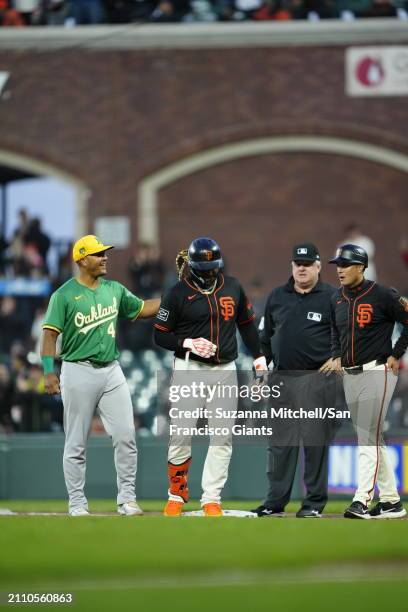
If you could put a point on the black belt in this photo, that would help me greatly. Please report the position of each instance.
(360, 368)
(96, 364)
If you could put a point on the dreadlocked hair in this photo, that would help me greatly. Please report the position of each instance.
(181, 263)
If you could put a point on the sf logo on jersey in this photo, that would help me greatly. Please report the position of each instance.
(227, 307)
(364, 314)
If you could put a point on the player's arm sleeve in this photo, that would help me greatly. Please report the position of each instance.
(266, 330)
(397, 308)
(130, 305)
(250, 337)
(165, 323)
(245, 311)
(55, 316)
(335, 336)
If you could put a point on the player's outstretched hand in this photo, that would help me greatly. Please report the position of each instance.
(52, 386)
(200, 346)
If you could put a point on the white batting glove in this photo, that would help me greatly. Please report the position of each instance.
(200, 346)
(260, 364)
(260, 368)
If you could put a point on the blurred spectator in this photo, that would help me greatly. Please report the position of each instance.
(277, 10)
(147, 271)
(3, 257)
(11, 324)
(167, 11)
(53, 12)
(317, 9)
(9, 17)
(404, 249)
(6, 397)
(87, 12)
(28, 9)
(36, 245)
(32, 409)
(380, 8)
(121, 11)
(354, 235)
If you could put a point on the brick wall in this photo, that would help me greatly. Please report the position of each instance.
(112, 117)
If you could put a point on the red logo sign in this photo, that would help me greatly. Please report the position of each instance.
(227, 307)
(364, 314)
(370, 72)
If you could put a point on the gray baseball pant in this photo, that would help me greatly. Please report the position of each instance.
(368, 395)
(84, 388)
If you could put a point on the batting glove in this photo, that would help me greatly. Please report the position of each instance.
(200, 346)
(260, 368)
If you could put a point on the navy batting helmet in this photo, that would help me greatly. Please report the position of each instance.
(204, 254)
(350, 254)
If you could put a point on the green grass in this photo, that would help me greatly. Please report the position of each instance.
(206, 564)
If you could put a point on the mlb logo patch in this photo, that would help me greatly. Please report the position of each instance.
(163, 314)
(314, 316)
(302, 251)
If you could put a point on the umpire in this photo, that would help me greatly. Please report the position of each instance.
(296, 335)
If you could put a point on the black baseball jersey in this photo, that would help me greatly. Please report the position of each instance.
(186, 312)
(364, 319)
(296, 329)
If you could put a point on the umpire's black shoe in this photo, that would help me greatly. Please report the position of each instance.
(357, 510)
(387, 510)
(308, 513)
(264, 511)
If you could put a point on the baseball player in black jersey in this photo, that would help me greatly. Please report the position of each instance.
(199, 315)
(296, 335)
(364, 317)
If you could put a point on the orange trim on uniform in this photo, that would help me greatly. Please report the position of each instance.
(247, 320)
(348, 324)
(161, 327)
(218, 317)
(57, 329)
(211, 317)
(377, 441)
(221, 285)
(218, 331)
(354, 307)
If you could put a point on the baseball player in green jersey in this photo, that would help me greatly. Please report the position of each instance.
(85, 310)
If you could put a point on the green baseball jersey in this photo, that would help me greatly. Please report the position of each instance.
(87, 318)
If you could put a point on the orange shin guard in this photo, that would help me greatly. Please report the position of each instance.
(178, 479)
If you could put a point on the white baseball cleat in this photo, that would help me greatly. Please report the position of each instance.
(130, 509)
(79, 511)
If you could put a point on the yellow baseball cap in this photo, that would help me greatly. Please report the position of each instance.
(88, 245)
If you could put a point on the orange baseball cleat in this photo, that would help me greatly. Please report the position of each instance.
(173, 508)
(212, 509)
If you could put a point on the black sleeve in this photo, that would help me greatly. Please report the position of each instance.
(250, 337)
(165, 322)
(267, 329)
(245, 312)
(335, 336)
(167, 340)
(397, 308)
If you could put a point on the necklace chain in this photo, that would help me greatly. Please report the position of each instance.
(209, 291)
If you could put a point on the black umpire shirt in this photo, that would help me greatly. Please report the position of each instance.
(364, 320)
(296, 329)
(185, 312)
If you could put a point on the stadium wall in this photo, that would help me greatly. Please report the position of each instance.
(31, 468)
(114, 108)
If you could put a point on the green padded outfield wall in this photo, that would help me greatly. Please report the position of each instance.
(31, 468)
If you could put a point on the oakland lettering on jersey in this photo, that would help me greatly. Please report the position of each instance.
(97, 316)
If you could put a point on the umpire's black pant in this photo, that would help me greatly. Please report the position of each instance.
(307, 390)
